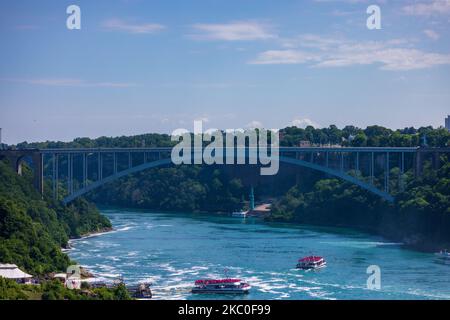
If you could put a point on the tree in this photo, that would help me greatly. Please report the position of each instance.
(360, 140)
(121, 292)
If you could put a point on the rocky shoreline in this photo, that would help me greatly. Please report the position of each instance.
(88, 235)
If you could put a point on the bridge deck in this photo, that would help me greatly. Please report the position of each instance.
(281, 149)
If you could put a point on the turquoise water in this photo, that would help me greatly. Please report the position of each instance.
(173, 250)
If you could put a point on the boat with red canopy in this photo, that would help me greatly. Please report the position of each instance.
(226, 286)
(311, 262)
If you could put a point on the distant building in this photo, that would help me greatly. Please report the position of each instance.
(447, 123)
(11, 271)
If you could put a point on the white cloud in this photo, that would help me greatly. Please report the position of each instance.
(283, 57)
(122, 26)
(320, 51)
(428, 8)
(303, 123)
(389, 58)
(254, 125)
(431, 34)
(233, 31)
(313, 41)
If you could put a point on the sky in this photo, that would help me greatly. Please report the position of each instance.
(141, 66)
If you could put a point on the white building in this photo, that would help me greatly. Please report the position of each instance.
(11, 271)
(447, 123)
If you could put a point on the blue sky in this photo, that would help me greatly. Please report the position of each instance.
(153, 66)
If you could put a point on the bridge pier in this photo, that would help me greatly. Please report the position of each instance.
(38, 172)
(401, 182)
(418, 163)
(115, 162)
(372, 168)
(55, 175)
(357, 163)
(436, 160)
(297, 174)
(387, 173)
(70, 173)
(85, 169)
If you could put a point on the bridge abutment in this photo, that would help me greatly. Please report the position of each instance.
(15, 158)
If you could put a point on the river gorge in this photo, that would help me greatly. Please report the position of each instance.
(173, 250)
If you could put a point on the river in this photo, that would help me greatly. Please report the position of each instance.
(173, 250)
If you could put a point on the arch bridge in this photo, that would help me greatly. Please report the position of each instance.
(76, 171)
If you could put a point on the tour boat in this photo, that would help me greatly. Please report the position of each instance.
(240, 214)
(141, 291)
(443, 254)
(225, 286)
(311, 262)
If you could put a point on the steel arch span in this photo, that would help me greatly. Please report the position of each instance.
(339, 174)
(118, 175)
(296, 162)
(65, 168)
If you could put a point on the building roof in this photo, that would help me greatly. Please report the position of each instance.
(11, 271)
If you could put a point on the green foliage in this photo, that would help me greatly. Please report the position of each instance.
(186, 188)
(54, 290)
(82, 217)
(145, 140)
(10, 290)
(33, 230)
(121, 293)
(372, 136)
(420, 215)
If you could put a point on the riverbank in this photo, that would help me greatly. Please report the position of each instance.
(95, 233)
(416, 243)
(86, 236)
